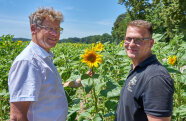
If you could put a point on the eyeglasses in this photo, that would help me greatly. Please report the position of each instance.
(50, 29)
(136, 40)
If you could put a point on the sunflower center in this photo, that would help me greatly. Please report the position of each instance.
(91, 58)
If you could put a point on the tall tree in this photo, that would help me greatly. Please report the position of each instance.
(135, 8)
(167, 16)
(120, 26)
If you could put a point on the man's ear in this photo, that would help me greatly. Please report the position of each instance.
(152, 43)
(33, 28)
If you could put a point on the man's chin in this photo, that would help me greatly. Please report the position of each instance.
(53, 45)
(131, 55)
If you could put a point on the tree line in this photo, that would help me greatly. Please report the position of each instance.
(168, 17)
(90, 39)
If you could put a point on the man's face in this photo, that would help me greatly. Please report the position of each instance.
(47, 34)
(136, 48)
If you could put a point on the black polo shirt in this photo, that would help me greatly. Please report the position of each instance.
(148, 89)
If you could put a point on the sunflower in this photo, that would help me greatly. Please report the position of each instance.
(99, 47)
(172, 60)
(122, 42)
(91, 58)
(19, 42)
(93, 44)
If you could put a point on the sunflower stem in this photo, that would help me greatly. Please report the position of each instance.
(94, 92)
(1, 114)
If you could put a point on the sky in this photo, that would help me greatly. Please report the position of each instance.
(81, 17)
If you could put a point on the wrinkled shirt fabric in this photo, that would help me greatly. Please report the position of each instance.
(33, 77)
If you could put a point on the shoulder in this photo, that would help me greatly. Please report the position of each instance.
(156, 74)
(25, 61)
(156, 69)
(26, 54)
(28, 57)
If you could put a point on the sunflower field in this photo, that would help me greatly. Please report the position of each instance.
(97, 99)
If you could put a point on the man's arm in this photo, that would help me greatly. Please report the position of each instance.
(77, 83)
(154, 118)
(73, 83)
(18, 111)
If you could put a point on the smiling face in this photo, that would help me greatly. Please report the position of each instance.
(138, 52)
(46, 35)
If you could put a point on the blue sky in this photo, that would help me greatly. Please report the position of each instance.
(81, 17)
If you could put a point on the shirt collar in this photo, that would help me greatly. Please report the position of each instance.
(145, 62)
(148, 60)
(40, 51)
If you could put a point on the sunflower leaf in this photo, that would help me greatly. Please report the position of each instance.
(87, 84)
(97, 117)
(66, 75)
(112, 90)
(95, 76)
(85, 76)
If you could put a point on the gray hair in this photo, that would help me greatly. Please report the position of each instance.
(41, 14)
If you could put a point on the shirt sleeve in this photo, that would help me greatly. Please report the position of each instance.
(24, 81)
(158, 96)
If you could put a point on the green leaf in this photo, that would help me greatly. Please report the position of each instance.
(84, 114)
(56, 60)
(108, 61)
(183, 45)
(87, 84)
(157, 37)
(172, 70)
(3, 92)
(180, 111)
(109, 114)
(72, 112)
(95, 76)
(111, 90)
(111, 104)
(183, 78)
(66, 75)
(122, 52)
(99, 86)
(97, 117)
(85, 76)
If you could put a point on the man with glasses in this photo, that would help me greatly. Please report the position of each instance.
(147, 94)
(36, 91)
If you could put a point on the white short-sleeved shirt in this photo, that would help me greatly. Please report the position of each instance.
(33, 77)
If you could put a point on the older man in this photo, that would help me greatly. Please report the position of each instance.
(147, 94)
(36, 92)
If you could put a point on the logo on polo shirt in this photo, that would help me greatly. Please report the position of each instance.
(131, 83)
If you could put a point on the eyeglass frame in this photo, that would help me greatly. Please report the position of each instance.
(51, 29)
(136, 40)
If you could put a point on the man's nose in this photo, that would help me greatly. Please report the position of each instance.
(54, 32)
(132, 43)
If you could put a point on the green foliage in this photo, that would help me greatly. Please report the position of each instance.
(90, 39)
(168, 17)
(120, 26)
(98, 98)
(8, 52)
(136, 9)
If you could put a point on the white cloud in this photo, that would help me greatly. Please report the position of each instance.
(8, 21)
(69, 8)
(105, 22)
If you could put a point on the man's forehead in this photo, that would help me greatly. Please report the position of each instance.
(141, 30)
(48, 21)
